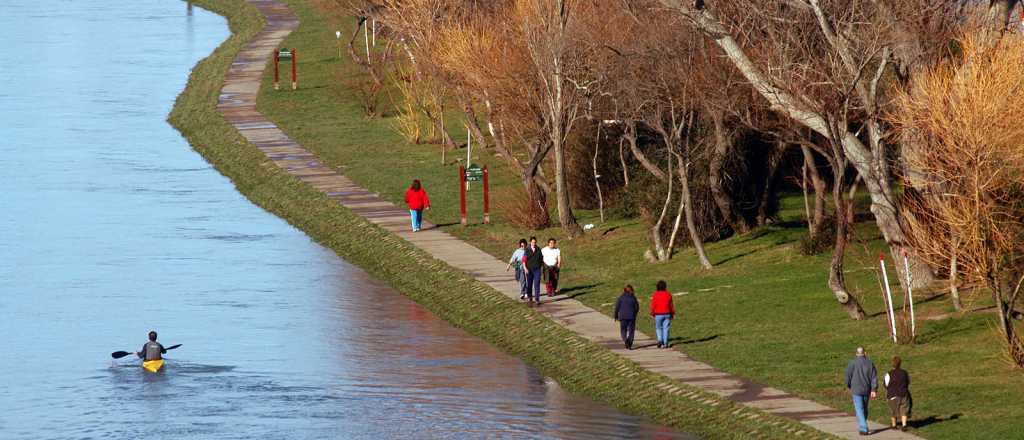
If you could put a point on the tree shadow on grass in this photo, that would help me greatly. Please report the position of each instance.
(920, 423)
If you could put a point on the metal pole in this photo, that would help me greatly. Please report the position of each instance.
(276, 74)
(888, 296)
(462, 195)
(910, 296)
(487, 197)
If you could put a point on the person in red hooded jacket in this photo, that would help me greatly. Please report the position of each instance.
(662, 310)
(417, 200)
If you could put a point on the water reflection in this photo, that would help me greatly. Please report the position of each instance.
(112, 226)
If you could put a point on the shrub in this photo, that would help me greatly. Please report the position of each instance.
(515, 205)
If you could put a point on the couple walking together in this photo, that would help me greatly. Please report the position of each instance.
(862, 381)
(535, 266)
(662, 310)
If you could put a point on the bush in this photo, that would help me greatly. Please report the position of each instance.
(514, 204)
(823, 241)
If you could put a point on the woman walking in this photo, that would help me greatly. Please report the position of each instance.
(897, 391)
(626, 309)
(517, 262)
(417, 200)
(662, 310)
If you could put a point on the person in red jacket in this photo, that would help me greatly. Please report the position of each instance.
(417, 200)
(662, 310)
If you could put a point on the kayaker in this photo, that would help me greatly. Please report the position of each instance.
(152, 350)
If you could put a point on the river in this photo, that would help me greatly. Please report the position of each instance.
(112, 226)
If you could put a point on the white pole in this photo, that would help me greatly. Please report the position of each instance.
(366, 41)
(337, 35)
(888, 295)
(469, 150)
(910, 296)
(374, 32)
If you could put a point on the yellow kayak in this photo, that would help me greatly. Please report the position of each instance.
(153, 366)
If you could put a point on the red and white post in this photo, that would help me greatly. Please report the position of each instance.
(462, 195)
(487, 197)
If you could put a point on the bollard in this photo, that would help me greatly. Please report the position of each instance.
(487, 197)
(462, 195)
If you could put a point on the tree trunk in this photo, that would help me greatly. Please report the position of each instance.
(565, 215)
(622, 161)
(954, 290)
(1014, 346)
(819, 190)
(691, 224)
(722, 198)
(774, 158)
(474, 126)
(531, 179)
(631, 137)
(660, 251)
(999, 14)
(597, 175)
(836, 280)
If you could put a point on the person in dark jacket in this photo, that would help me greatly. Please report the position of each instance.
(626, 309)
(897, 391)
(663, 311)
(152, 350)
(862, 381)
(533, 259)
(417, 200)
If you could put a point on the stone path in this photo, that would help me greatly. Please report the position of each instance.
(238, 105)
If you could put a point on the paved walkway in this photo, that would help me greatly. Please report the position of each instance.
(238, 105)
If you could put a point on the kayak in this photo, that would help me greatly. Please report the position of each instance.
(153, 366)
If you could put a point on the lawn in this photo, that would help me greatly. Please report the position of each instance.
(764, 312)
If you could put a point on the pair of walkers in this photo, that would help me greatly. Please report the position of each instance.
(662, 311)
(535, 266)
(862, 381)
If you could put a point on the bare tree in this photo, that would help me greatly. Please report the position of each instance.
(559, 64)
(805, 55)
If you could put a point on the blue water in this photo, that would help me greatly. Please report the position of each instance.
(111, 226)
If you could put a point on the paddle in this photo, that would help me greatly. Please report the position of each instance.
(121, 354)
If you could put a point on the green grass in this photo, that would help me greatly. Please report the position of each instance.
(764, 312)
(578, 365)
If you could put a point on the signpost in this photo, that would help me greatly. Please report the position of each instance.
(474, 173)
(280, 55)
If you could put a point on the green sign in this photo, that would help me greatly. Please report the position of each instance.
(474, 173)
(284, 54)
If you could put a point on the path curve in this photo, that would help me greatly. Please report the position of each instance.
(238, 106)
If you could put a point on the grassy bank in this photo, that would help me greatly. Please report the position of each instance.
(763, 312)
(578, 365)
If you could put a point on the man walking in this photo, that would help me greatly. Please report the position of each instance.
(862, 381)
(626, 309)
(533, 259)
(552, 265)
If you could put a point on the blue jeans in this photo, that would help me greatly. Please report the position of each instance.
(661, 325)
(416, 216)
(860, 406)
(533, 283)
(524, 288)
